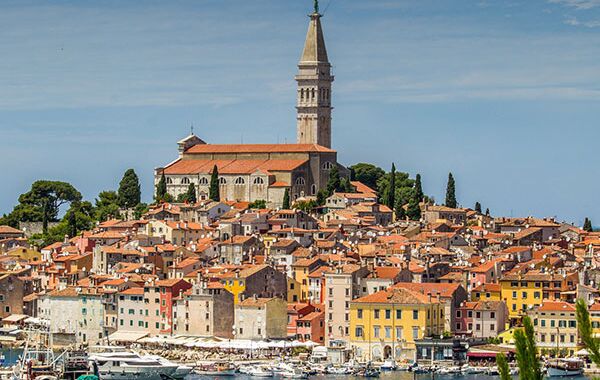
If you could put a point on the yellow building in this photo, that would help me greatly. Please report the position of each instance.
(487, 292)
(300, 271)
(524, 291)
(387, 323)
(555, 325)
(595, 319)
(294, 293)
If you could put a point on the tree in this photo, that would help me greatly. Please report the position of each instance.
(419, 188)
(584, 327)
(306, 206)
(43, 201)
(286, 199)
(129, 190)
(189, 196)
(334, 182)
(527, 355)
(399, 210)
(487, 212)
(79, 217)
(368, 174)
(346, 186)
(587, 225)
(107, 206)
(321, 197)
(213, 192)
(503, 369)
(258, 204)
(161, 188)
(414, 208)
(451, 192)
(390, 199)
(140, 210)
(478, 207)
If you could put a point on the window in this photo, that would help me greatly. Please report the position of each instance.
(492, 314)
(185, 181)
(300, 181)
(259, 181)
(415, 332)
(458, 314)
(169, 181)
(358, 331)
(376, 313)
(415, 314)
(399, 333)
(327, 165)
(313, 189)
(239, 181)
(376, 331)
(388, 332)
(203, 181)
(458, 326)
(388, 314)
(359, 314)
(398, 314)
(222, 181)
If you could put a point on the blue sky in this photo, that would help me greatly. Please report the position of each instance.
(505, 94)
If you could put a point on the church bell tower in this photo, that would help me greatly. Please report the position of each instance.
(314, 79)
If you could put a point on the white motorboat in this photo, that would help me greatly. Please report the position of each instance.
(260, 371)
(294, 373)
(129, 365)
(343, 370)
(180, 373)
(471, 370)
(218, 369)
(388, 365)
(565, 367)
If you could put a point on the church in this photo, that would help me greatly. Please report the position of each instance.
(250, 172)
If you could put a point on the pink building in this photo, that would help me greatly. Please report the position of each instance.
(484, 273)
(482, 319)
(295, 311)
(312, 327)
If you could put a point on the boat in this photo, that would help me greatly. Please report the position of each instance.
(260, 371)
(368, 371)
(341, 370)
(420, 369)
(37, 361)
(493, 371)
(449, 370)
(294, 373)
(565, 367)
(180, 372)
(472, 370)
(127, 365)
(216, 369)
(388, 365)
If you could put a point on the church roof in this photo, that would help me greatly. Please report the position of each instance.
(314, 46)
(258, 148)
(231, 166)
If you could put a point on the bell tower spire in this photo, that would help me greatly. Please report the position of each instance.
(314, 79)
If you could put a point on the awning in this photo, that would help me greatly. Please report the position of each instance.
(14, 318)
(482, 354)
(126, 336)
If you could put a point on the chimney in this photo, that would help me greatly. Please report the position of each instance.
(429, 294)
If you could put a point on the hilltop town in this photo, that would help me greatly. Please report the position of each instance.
(281, 244)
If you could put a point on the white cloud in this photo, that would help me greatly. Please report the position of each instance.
(574, 21)
(578, 4)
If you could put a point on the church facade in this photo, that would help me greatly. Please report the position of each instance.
(250, 172)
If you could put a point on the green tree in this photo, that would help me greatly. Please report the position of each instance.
(306, 206)
(503, 369)
(584, 327)
(413, 210)
(43, 201)
(527, 355)
(487, 212)
(368, 174)
(346, 186)
(107, 206)
(587, 225)
(140, 210)
(321, 197)
(334, 182)
(213, 192)
(286, 199)
(478, 207)
(189, 196)
(259, 204)
(419, 188)
(129, 190)
(161, 188)
(79, 217)
(390, 197)
(451, 192)
(399, 211)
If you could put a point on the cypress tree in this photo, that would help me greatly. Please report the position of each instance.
(72, 222)
(190, 195)
(45, 216)
(587, 225)
(584, 327)
(213, 191)
(400, 213)
(419, 188)
(161, 188)
(478, 207)
(487, 212)
(527, 356)
(390, 199)
(129, 190)
(414, 209)
(286, 199)
(503, 368)
(451, 192)
(334, 182)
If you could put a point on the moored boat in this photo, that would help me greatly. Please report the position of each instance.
(565, 367)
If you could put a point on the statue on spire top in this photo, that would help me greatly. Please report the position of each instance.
(316, 6)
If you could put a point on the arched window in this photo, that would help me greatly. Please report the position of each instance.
(185, 181)
(327, 165)
(300, 181)
(259, 181)
(313, 93)
(301, 94)
(203, 181)
(169, 181)
(222, 181)
(313, 189)
(239, 181)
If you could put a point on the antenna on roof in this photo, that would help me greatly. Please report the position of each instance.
(192, 129)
